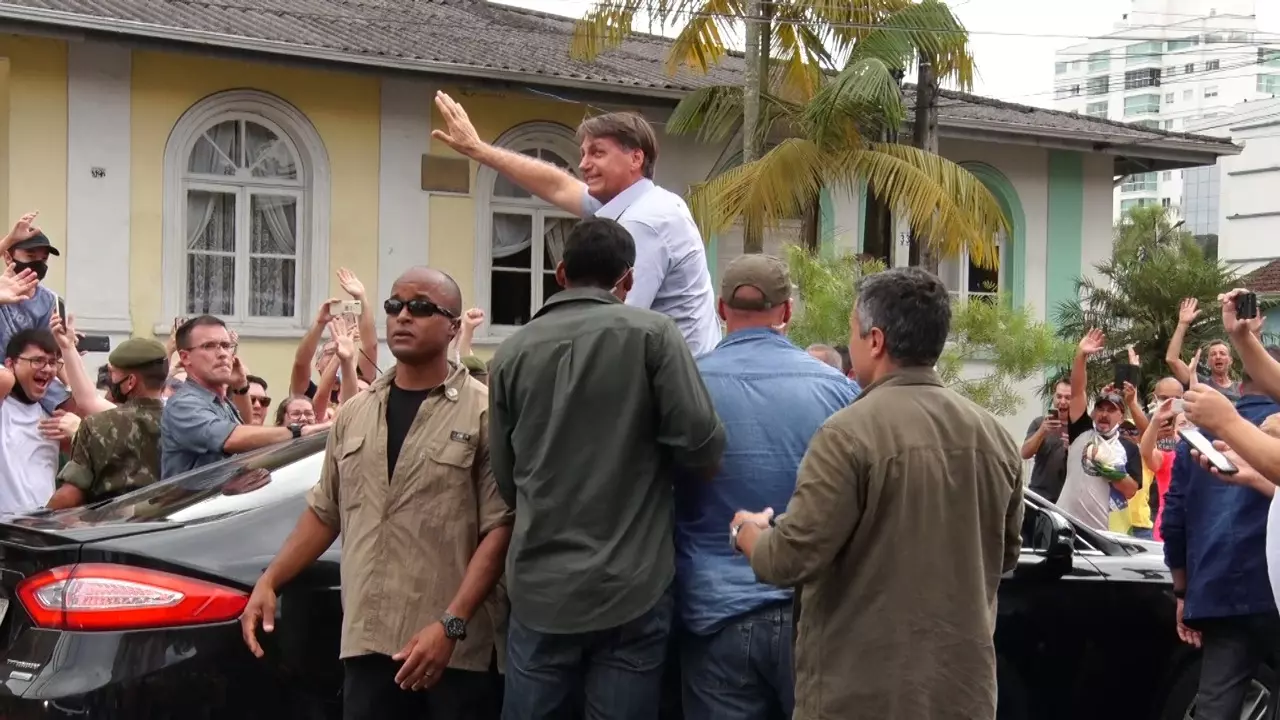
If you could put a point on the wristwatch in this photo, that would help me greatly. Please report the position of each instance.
(242, 391)
(455, 628)
(296, 429)
(733, 536)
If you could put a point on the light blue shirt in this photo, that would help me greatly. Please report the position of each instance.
(34, 312)
(772, 397)
(194, 427)
(671, 275)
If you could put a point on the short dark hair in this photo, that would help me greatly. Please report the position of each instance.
(597, 253)
(846, 361)
(913, 310)
(152, 375)
(628, 129)
(31, 337)
(183, 336)
(254, 379)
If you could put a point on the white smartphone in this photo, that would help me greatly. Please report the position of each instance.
(1211, 453)
(344, 307)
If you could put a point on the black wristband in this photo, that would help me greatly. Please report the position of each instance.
(1180, 594)
(242, 391)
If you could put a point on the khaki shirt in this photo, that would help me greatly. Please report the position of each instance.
(907, 510)
(407, 540)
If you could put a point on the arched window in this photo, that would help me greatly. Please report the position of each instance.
(246, 213)
(520, 238)
(966, 279)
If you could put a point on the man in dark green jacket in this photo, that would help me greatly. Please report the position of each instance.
(596, 408)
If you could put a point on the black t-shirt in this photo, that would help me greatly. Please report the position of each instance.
(311, 392)
(402, 408)
(1050, 469)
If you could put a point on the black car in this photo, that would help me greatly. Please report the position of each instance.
(128, 609)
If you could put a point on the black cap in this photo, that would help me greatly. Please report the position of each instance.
(39, 240)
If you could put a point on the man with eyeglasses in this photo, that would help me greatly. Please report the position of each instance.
(202, 421)
(28, 460)
(259, 401)
(407, 482)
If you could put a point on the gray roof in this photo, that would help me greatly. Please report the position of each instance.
(484, 40)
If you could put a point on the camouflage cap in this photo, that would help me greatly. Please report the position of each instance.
(136, 352)
(765, 273)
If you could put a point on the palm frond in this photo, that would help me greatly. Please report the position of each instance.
(925, 28)
(799, 53)
(946, 205)
(711, 114)
(778, 185)
(702, 43)
(848, 22)
(605, 26)
(863, 97)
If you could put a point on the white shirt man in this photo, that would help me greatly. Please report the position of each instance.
(28, 460)
(619, 153)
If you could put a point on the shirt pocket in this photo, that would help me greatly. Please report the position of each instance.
(450, 478)
(351, 455)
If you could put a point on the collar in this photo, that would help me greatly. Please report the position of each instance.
(579, 294)
(751, 334)
(905, 377)
(1253, 400)
(146, 402)
(451, 388)
(620, 202)
(191, 383)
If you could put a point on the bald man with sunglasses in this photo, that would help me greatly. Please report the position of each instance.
(407, 481)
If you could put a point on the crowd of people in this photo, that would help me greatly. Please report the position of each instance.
(649, 471)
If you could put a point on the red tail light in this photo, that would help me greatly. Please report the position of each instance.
(94, 596)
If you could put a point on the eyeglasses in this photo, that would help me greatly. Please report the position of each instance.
(215, 346)
(263, 401)
(42, 362)
(418, 308)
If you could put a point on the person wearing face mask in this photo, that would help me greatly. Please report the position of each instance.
(596, 409)
(118, 450)
(26, 248)
(1104, 469)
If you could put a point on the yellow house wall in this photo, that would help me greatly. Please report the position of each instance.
(35, 138)
(453, 217)
(344, 110)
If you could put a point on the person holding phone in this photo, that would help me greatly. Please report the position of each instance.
(1215, 537)
(1046, 443)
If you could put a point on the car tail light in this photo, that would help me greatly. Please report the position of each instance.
(99, 596)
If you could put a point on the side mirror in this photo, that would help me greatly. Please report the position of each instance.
(1056, 538)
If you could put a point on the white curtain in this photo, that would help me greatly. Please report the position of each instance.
(272, 279)
(513, 234)
(211, 226)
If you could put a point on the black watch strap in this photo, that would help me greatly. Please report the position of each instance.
(242, 391)
(296, 429)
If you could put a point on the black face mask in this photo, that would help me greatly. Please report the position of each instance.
(116, 393)
(39, 267)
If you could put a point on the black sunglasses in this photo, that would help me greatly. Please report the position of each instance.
(418, 308)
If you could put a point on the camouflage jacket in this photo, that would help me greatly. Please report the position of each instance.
(116, 451)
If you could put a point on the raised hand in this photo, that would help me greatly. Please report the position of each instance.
(1188, 311)
(351, 284)
(1232, 324)
(322, 315)
(343, 339)
(14, 288)
(473, 318)
(1093, 342)
(459, 134)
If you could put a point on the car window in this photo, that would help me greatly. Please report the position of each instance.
(241, 483)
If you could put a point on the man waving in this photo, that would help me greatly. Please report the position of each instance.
(619, 154)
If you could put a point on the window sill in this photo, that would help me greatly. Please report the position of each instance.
(247, 331)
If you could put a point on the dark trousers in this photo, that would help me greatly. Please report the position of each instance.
(743, 671)
(370, 692)
(1232, 648)
(613, 674)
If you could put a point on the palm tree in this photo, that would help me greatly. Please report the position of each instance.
(836, 123)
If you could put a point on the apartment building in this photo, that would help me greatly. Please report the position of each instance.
(1174, 65)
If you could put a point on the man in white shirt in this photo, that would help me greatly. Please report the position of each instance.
(619, 154)
(28, 460)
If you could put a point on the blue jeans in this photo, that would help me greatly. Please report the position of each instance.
(613, 674)
(743, 671)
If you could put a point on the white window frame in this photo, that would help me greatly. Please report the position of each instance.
(529, 136)
(313, 209)
(962, 292)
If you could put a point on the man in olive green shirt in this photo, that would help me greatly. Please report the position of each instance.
(596, 408)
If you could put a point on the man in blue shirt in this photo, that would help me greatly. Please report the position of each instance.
(772, 397)
(1215, 536)
(27, 248)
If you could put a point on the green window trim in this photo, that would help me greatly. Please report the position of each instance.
(1016, 241)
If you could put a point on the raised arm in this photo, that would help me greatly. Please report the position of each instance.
(1091, 343)
(300, 376)
(1261, 368)
(1187, 314)
(83, 388)
(543, 179)
(368, 331)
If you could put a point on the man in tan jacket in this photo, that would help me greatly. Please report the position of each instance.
(907, 510)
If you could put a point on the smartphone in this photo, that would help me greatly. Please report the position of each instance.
(94, 344)
(1179, 406)
(1211, 453)
(343, 307)
(1246, 305)
(1125, 373)
(62, 309)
